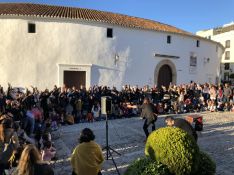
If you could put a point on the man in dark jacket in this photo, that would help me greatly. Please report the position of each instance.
(182, 124)
(149, 114)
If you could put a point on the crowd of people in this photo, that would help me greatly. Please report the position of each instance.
(27, 117)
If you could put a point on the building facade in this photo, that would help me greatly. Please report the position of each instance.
(45, 45)
(224, 35)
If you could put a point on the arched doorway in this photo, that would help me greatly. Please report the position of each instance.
(164, 76)
(165, 72)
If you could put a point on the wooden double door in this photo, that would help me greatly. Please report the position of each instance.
(74, 78)
(164, 76)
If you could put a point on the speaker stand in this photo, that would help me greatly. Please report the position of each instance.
(109, 149)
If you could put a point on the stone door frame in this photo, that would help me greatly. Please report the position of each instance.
(173, 70)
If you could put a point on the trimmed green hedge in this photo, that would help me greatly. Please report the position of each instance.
(171, 151)
(146, 166)
(206, 165)
(138, 166)
(174, 148)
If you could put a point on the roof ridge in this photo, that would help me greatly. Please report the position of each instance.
(95, 10)
(51, 11)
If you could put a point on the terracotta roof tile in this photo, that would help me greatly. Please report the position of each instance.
(50, 11)
(25, 9)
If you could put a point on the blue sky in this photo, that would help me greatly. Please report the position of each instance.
(190, 15)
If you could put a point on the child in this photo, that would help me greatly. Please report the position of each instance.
(48, 152)
(226, 107)
(90, 117)
(44, 138)
(232, 108)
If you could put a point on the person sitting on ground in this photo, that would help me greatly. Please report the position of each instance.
(87, 157)
(227, 107)
(31, 163)
(48, 153)
(96, 111)
(9, 142)
(46, 137)
(212, 106)
(22, 135)
(89, 117)
(54, 120)
(182, 124)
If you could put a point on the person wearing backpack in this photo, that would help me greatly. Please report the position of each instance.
(9, 143)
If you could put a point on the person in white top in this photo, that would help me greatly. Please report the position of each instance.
(96, 111)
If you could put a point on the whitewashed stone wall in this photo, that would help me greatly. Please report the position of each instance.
(59, 44)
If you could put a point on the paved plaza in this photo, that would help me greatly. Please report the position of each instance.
(126, 136)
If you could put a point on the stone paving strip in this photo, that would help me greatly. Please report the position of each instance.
(127, 137)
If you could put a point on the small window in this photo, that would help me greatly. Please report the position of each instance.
(226, 66)
(31, 28)
(198, 43)
(193, 61)
(227, 55)
(109, 33)
(168, 39)
(226, 76)
(227, 44)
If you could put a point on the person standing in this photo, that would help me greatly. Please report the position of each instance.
(148, 113)
(29, 122)
(87, 157)
(227, 92)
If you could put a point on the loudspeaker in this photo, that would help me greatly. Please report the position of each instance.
(106, 105)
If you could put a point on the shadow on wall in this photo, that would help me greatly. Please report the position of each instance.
(95, 75)
(98, 79)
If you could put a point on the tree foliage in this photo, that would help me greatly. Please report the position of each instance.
(174, 148)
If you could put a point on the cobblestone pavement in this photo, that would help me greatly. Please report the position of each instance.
(126, 137)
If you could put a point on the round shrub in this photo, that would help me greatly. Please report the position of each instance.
(138, 166)
(156, 168)
(206, 165)
(174, 148)
(146, 166)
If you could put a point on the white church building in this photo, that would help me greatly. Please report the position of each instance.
(43, 46)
